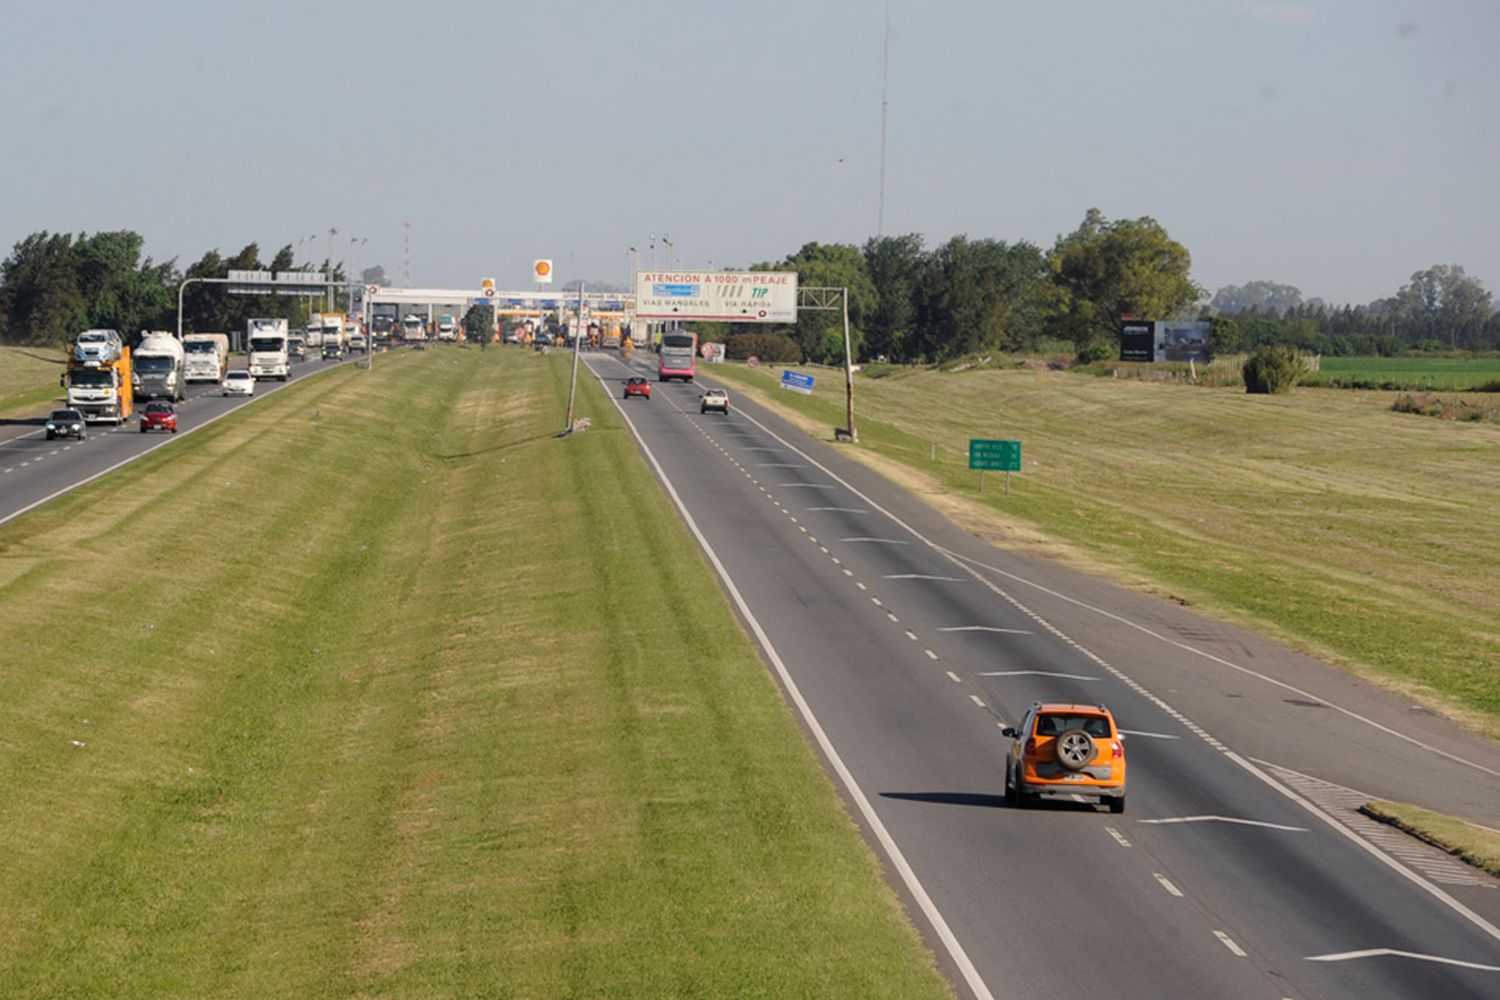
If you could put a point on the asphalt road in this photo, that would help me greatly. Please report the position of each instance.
(34, 470)
(1240, 869)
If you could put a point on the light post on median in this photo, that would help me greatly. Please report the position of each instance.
(577, 340)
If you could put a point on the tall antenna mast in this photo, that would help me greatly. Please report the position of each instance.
(406, 265)
(885, 72)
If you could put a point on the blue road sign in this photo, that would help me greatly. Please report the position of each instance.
(797, 382)
(673, 289)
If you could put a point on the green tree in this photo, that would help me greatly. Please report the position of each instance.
(478, 324)
(1105, 270)
(895, 265)
(39, 296)
(820, 333)
(1443, 301)
(978, 295)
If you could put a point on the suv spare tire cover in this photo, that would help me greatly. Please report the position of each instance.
(1075, 749)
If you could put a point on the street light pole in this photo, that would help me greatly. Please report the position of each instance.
(577, 340)
(849, 372)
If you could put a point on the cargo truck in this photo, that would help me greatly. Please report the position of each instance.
(206, 357)
(313, 336)
(269, 354)
(156, 367)
(335, 335)
(447, 329)
(101, 390)
(413, 329)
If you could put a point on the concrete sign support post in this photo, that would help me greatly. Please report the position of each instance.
(577, 340)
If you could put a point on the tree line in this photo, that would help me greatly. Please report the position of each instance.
(54, 285)
(907, 302)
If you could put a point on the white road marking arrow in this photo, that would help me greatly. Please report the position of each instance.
(1226, 819)
(984, 628)
(1345, 956)
(1035, 673)
(1154, 736)
(842, 510)
(921, 576)
(878, 541)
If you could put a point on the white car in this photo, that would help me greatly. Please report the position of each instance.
(97, 345)
(714, 399)
(239, 383)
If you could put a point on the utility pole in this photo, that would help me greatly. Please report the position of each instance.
(577, 340)
(885, 72)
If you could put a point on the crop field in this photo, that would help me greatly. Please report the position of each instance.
(1419, 374)
(29, 378)
(379, 688)
(1367, 537)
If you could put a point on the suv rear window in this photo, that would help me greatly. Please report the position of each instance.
(1056, 725)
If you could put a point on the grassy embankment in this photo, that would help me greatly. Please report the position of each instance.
(378, 688)
(1367, 537)
(1477, 845)
(28, 379)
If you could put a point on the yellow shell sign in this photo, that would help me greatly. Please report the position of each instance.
(541, 270)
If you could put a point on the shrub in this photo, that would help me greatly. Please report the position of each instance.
(1095, 351)
(1273, 369)
(771, 348)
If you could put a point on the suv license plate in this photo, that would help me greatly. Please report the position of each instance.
(1073, 777)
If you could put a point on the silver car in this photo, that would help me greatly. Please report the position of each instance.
(239, 383)
(714, 399)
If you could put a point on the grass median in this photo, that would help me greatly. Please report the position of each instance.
(1367, 537)
(379, 688)
(29, 379)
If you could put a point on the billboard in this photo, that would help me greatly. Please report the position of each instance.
(723, 296)
(1166, 340)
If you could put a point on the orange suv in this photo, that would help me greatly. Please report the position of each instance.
(1066, 750)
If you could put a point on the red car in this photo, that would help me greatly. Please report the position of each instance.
(159, 416)
(637, 387)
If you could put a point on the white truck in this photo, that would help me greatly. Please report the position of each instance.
(313, 337)
(157, 367)
(207, 357)
(447, 329)
(269, 357)
(335, 336)
(413, 329)
(357, 339)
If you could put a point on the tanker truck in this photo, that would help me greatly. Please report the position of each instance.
(157, 367)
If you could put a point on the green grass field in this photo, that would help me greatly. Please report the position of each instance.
(1412, 374)
(29, 379)
(1368, 537)
(380, 689)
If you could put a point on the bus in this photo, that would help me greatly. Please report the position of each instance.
(678, 355)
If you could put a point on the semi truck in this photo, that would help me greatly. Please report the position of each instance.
(101, 389)
(335, 335)
(156, 367)
(313, 336)
(206, 357)
(269, 354)
(413, 329)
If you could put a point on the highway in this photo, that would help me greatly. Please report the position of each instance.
(33, 469)
(1240, 869)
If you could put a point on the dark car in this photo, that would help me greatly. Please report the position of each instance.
(159, 416)
(637, 386)
(67, 423)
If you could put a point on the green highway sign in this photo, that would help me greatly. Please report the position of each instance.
(995, 456)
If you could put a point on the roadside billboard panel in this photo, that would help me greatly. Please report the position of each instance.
(722, 296)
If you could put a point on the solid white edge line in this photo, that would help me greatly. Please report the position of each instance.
(887, 842)
(162, 443)
(964, 564)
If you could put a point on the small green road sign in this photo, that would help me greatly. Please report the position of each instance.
(995, 456)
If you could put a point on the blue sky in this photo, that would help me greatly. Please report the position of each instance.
(1337, 145)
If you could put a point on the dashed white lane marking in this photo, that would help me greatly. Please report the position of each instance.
(984, 628)
(11, 469)
(863, 587)
(848, 572)
(841, 510)
(1166, 884)
(1345, 956)
(894, 619)
(930, 654)
(54, 451)
(1119, 837)
(875, 541)
(1153, 736)
(1228, 942)
(911, 635)
(954, 677)
(823, 547)
(874, 600)
(922, 576)
(1037, 673)
(836, 561)
(977, 700)
(1169, 820)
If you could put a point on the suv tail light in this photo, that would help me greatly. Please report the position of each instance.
(1119, 750)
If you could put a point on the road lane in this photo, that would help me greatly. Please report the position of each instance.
(916, 722)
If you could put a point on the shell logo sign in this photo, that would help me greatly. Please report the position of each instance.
(541, 272)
